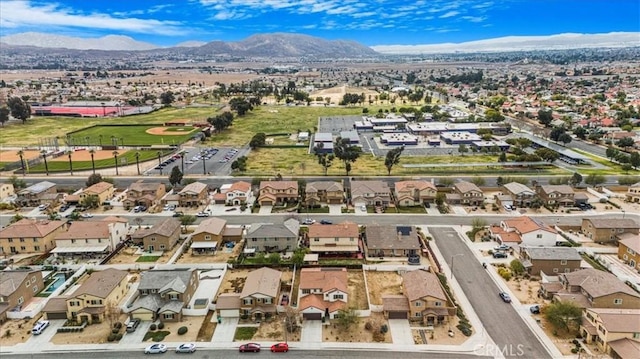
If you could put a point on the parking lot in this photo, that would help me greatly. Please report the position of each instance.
(200, 160)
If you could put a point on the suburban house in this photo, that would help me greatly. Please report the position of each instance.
(370, 193)
(90, 303)
(427, 301)
(17, 287)
(330, 192)
(556, 195)
(525, 231)
(163, 294)
(592, 288)
(146, 194)
(211, 234)
(6, 190)
(629, 250)
(466, 194)
(521, 194)
(260, 293)
(234, 194)
(605, 326)
(603, 230)
(391, 241)
(550, 260)
(415, 193)
(37, 194)
(193, 195)
(272, 237)
(90, 238)
(228, 305)
(102, 190)
(633, 193)
(334, 238)
(30, 235)
(322, 292)
(277, 192)
(161, 237)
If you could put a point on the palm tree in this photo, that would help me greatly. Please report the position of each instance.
(115, 159)
(46, 165)
(21, 154)
(70, 162)
(100, 140)
(160, 162)
(138, 162)
(93, 163)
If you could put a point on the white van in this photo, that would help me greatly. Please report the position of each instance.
(40, 326)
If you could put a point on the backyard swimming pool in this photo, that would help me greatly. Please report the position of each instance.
(58, 280)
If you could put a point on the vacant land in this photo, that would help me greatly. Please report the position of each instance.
(381, 283)
(357, 293)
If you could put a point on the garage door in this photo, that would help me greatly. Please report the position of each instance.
(312, 316)
(142, 315)
(266, 203)
(53, 315)
(229, 313)
(397, 315)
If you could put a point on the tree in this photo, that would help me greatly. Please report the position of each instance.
(576, 179)
(298, 256)
(112, 313)
(90, 202)
(595, 179)
(274, 258)
(634, 159)
(138, 221)
(547, 154)
(93, 179)
(563, 315)
(440, 198)
(565, 138)
(19, 109)
(463, 149)
(291, 316)
(346, 318)
(612, 153)
(175, 177)
(446, 181)
(46, 165)
(545, 117)
(517, 268)
(187, 220)
(478, 224)
(580, 132)
(69, 153)
(17, 183)
(240, 164)
(392, 158)
(137, 155)
(93, 163)
(16, 218)
(502, 157)
(258, 140)
(4, 115)
(625, 142)
(478, 181)
(115, 160)
(240, 105)
(167, 98)
(222, 121)
(347, 153)
(324, 159)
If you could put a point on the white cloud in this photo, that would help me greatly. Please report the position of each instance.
(474, 18)
(483, 5)
(17, 14)
(364, 14)
(449, 14)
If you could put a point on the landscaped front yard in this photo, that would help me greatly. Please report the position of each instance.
(92, 334)
(14, 332)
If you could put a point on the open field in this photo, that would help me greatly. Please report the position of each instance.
(61, 164)
(131, 135)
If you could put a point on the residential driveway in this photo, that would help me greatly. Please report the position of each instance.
(137, 336)
(335, 209)
(42, 340)
(458, 210)
(433, 209)
(311, 331)
(400, 332)
(225, 331)
(265, 209)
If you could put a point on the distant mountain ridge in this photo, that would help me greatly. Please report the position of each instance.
(107, 43)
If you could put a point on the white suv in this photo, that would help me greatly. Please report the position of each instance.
(40, 326)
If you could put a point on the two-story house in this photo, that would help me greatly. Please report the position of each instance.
(260, 293)
(629, 250)
(428, 302)
(91, 237)
(98, 294)
(605, 326)
(521, 194)
(272, 237)
(341, 238)
(330, 192)
(633, 193)
(237, 193)
(146, 194)
(592, 288)
(391, 241)
(211, 234)
(102, 190)
(322, 292)
(193, 195)
(370, 193)
(277, 192)
(414, 193)
(37, 194)
(525, 231)
(17, 287)
(607, 230)
(164, 293)
(466, 194)
(6, 190)
(550, 260)
(161, 237)
(30, 235)
(556, 195)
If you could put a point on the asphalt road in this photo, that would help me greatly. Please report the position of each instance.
(501, 321)
(232, 354)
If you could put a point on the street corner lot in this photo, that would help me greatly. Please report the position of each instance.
(92, 334)
(383, 283)
(16, 331)
(358, 333)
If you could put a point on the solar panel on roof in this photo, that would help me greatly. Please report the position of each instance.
(404, 230)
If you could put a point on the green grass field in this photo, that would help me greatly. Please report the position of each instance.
(129, 136)
(127, 158)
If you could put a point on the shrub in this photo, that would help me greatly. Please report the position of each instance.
(504, 273)
(114, 331)
(368, 326)
(466, 330)
(384, 328)
(118, 336)
(153, 327)
(160, 325)
(378, 336)
(117, 325)
(244, 317)
(111, 338)
(182, 330)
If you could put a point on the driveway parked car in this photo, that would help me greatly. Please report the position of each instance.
(132, 325)
(499, 255)
(280, 348)
(186, 348)
(505, 297)
(249, 347)
(156, 349)
(502, 247)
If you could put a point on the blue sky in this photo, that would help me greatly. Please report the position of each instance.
(371, 22)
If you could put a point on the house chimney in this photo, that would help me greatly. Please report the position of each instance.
(399, 235)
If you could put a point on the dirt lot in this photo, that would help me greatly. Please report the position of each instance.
(357, 293)
(525, 290)
(234, 279)
(126, 255)
(92, 334)
(193, 323)
(221, 256)
(440, 334)
(337, 93)
(16, 331)
(357, 333)
(207, 328)
(273, 330)
(381, 283)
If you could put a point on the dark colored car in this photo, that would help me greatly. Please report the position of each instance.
(249, 347)
(325, 221)
(280, 348)
(505, 297)
(499, 254)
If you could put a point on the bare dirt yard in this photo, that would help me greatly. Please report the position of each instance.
(234, 279)
(357, 293)
(561, 339)
(192, 323)
(207, 328)
(84, 155)
(439, 335)
(125, 256)
(381, 283)
(273, 330)
(221, 256)
(12, 156)
(14, 332)
(525, 290)
(358, 333)
(92, 334)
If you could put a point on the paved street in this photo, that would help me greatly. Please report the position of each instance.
(501, 321)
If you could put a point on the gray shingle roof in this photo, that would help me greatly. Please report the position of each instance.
(389, 237)
(289, 228)
(163, 280)
(553, 253)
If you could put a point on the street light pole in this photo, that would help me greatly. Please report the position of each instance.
(452, 258)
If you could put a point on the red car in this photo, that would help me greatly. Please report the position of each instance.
(249, 347)
(280, 348)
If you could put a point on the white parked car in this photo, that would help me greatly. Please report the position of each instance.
(86, 215)
(186, 348)
(155, 349)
